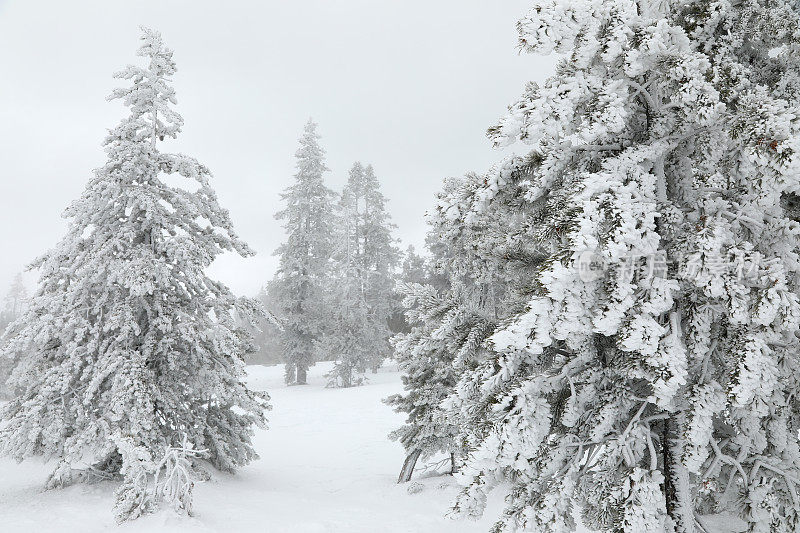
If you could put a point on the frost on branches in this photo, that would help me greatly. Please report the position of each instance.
(304, 267)
(445, 331)
(129, 345)
(649, 381)
(15, 302)
(452, 317)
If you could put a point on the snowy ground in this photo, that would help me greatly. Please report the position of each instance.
(326, 467)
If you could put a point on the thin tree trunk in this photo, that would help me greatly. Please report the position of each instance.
(676, 479)
(301, 375)
(408, 466)
(669, 484)
(677, 492)
(453, 466)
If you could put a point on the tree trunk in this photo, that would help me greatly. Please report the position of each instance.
(301, 375)
(408, 466)
(676, 478)
(669, 485)
(453, 466)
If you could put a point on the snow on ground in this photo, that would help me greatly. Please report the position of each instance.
(326, 467)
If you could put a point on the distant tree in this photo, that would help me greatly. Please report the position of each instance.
(17, 297)
(414, 268)
(267, 333)
(365, 260)
(350, 338)
(131, 349)
(15, 302)
(304, 269)
(380, 258)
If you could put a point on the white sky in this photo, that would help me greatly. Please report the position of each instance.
(409, 86)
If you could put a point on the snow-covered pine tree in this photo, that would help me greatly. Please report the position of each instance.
(129, 345)
(348, 334)
(414, 269)
(365, 260)
(444, 330)
(452, 317)
(15, 302)
(16, 298)
(304, 268)
(267, 331)
(380, 257)
(662, 388)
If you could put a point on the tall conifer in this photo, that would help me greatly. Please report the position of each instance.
(305, 257)
(130, 349)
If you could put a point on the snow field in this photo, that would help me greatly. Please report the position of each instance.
(326, 466)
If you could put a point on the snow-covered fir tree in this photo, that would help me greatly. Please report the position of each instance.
(14, 305)
(16, 298)
(414, 269)
(349, 338)
(305, 257)
(267, 333)
(379, 258)
(451, 317)
(365, 261)
(445, 331)
(130, 348)
(651, 378)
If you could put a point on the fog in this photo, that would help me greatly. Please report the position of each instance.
(410, 87)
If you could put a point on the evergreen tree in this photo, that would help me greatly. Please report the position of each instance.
(349, 338)
(14, 304)
(414, 269)
(445, 332)
(16, 299)
(267, 333)
(304, 268)
(131, 349)
(365, 260)
(380, 259)
(473, 257)
(661, 387)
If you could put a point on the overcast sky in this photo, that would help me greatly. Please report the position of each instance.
(409, 86)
